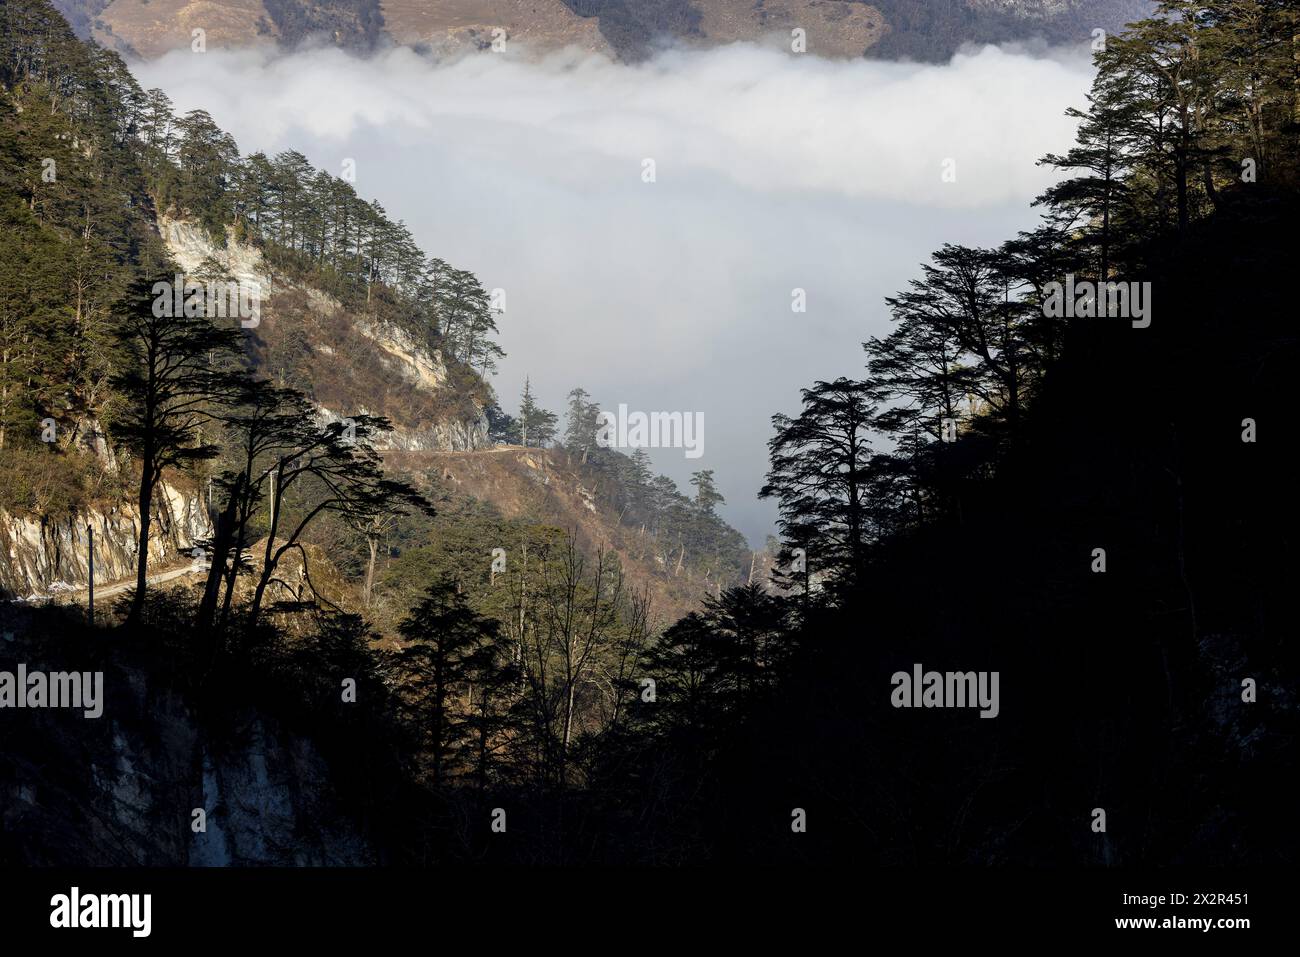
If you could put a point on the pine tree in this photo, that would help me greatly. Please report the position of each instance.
(528, 413)
(581, 424)
(207, 158)
(449, 648)
(821, 470)
(1094, 200)
(182, 372)
(537, 426)
(707, 496)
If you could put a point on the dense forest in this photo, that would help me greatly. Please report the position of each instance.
(1083, 501)
(1089, 502)
(143, 162)
(85, 178)
(319, 558)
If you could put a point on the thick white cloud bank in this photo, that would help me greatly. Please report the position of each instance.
(771, 172)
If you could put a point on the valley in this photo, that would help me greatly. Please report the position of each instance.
(355, 607)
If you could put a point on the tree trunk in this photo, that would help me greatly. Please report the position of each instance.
(221, 543)
(373, 542)
(268, 563)
(1181, 183)
(233, 571)
(1207, 177)
(144, 503)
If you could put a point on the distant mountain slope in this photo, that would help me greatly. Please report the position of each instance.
(456, 23)
(551, 487)
(831, 27)
(631, 29)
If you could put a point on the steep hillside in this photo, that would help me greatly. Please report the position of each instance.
(150, 28)
(552, 488)
(109, 403)
(348, 360)
(469, 24)
(46, 556)
(831, 27)
(631, 29)
(352, 322)
(120, 790)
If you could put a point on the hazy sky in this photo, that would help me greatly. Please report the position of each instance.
(772, 172)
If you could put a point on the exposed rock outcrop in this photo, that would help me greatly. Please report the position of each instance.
(41, 555)
(122, 789)
(380, 356)
(190, 246)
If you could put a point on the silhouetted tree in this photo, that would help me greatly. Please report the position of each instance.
(820, 468)
(449, 647)
(182, 373)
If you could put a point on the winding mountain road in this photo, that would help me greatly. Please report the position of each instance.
(109, 589)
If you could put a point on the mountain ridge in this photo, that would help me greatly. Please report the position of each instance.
(894, 29)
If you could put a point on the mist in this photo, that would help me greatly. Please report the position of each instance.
(772, 173)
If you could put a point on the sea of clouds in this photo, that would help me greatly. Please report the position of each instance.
(772, 172)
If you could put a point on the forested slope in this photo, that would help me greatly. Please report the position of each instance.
(249, 330)
(1091, 504)
(1085, 493)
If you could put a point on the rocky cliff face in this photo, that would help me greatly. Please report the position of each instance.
(427, 372)
(354, 364)
(1028, 9)
(42, 556)
(123, 789)
(457, 436)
